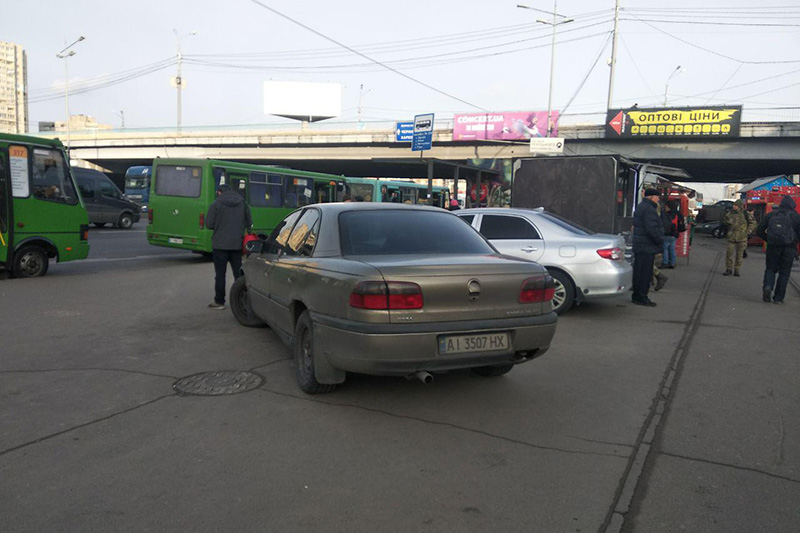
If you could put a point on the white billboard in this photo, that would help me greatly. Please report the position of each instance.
(302, 100)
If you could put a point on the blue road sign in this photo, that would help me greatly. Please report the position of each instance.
(423, 133)
(404, 132)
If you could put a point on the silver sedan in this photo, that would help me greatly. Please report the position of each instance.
(392, 289)
(585, 265)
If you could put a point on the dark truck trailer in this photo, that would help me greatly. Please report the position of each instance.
(597, 192)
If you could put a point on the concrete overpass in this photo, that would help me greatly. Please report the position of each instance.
(762, 149)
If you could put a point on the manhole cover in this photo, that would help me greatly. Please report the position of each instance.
(218, 383)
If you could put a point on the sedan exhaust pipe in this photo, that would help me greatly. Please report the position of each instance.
(423, 376)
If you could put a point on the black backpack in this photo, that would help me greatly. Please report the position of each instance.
(780, 231)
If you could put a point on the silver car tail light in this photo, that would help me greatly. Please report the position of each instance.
(386, 295)
(615, 254)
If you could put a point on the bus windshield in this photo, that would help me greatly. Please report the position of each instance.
(50, 180)
(137, 183)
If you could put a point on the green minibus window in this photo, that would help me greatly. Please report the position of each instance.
(299, 192)
(173, 180)
(49, 178)
(266, 190)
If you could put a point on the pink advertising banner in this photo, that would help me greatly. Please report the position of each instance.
(514, 125)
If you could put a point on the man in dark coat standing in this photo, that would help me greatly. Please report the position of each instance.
(781, 247)
(229, 217)
(648, 240)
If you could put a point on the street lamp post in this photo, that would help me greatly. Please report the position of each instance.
(121, 115)
(675, 72)
(178, 79)
(63, 54)
(554, 23)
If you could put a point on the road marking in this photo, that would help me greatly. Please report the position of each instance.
(117, 231)
(135, 257)
(628, 488)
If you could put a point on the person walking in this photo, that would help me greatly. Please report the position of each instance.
(673, 226)
(229, 217)
(648, 240)
(780, 229)
(740, 224)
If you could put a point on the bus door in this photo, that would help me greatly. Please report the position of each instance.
(324, 191)
(5, 210)
(178, 204)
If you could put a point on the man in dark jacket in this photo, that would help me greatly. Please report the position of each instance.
(781, 235)
(229, 217)
(648, 240)
(674, 224)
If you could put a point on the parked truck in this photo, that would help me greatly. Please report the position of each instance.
(598, 192)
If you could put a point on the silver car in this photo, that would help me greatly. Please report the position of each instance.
(392, 289)
(585, 265)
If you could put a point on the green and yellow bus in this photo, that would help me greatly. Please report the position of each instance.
(380, 190)
(181, 191)
(42, 216)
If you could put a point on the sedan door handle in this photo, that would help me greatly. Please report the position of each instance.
(529, 249)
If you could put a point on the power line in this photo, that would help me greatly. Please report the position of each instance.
(712, 51)
(759, 24)
(410, 78)
(416, 62)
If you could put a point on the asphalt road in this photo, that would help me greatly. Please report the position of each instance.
(683, 417)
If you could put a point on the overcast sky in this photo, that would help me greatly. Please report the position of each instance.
(473, 54)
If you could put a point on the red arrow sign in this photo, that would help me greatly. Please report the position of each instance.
(616, 123)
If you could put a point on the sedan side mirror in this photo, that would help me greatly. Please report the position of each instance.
(254, 247)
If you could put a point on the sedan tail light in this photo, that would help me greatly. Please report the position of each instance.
(386, 295)
(538, 289)
(614, 254)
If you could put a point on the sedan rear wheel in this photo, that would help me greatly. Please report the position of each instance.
(564, 294)
(304, 357)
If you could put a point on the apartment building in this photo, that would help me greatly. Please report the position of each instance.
(13, 88)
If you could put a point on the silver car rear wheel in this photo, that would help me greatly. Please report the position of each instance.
(564, 294)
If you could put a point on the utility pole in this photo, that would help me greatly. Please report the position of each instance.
(555, 22)
(178, 78)
(613, 63)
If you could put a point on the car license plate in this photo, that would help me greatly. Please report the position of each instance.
(487, 342)
(174, 240)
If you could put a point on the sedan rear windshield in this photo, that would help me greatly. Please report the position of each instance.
(568, 225)
(407, 232)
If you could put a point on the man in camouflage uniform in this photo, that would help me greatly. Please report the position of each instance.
(740, 224)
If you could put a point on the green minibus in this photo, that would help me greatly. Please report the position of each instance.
(42, 216)
(182, 190)
(380, 190)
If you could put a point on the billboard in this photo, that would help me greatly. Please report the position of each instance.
(302, 101)
(508, 126)
(684, 122)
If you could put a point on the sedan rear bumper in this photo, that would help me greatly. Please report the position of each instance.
(602, 279)
(402, 349)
